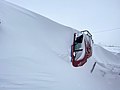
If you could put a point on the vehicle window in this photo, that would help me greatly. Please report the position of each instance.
(77, 46)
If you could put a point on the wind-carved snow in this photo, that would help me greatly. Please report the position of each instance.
(108, 62)
(35, 55)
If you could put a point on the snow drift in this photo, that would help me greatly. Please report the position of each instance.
(105, 56)
(35, 54)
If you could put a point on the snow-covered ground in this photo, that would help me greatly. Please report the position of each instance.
(113, 48)
(35, 55)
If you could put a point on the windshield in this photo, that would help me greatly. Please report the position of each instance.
(77, 46)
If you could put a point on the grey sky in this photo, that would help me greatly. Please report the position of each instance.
(97, 16)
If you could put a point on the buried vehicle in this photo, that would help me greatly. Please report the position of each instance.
(81, 48)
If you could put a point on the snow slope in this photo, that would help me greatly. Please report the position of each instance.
(35, 55)
(103, 55)
(113, 48)
(109, 61)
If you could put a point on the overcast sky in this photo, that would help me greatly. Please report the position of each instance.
(100, 17)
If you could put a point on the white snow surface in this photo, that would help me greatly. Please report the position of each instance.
(35, 55)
